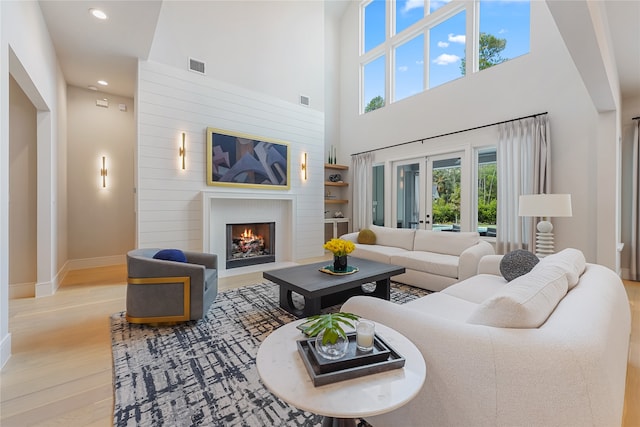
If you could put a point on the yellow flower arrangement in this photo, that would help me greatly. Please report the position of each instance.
(340, 247)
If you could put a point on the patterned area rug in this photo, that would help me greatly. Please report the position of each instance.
(203, 373)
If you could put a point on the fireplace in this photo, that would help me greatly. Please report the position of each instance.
(250, 244)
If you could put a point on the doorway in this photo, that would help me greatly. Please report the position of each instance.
(429, 194)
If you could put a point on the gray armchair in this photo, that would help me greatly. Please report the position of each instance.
(169, 291)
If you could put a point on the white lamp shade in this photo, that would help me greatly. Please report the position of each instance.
(545, 205)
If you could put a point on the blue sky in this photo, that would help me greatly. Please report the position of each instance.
(508, 19)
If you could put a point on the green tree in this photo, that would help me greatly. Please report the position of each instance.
(374, 104)
(489, 52)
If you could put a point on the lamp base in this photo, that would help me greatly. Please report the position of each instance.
(544, 239)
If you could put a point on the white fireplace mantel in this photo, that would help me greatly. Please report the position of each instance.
(219, 207)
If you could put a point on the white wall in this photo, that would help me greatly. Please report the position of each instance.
(271, 47)
(169, 203)
(27, 52)
(544, 80)
(23, 192)
(102, 219)
(260, 57)
(630, 109)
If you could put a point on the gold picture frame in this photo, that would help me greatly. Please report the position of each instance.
(241, 160)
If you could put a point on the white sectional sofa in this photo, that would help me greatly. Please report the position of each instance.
(433, 259)
(548, 348)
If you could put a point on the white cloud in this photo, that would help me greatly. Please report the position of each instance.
(412, 4)
(420, 62)
(460, 38)
(446, 59)
(403, 68)
(503, 31)
(443, 44)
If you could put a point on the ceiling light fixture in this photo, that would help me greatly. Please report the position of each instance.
(91, 87)
(103, 83)
(98, 14)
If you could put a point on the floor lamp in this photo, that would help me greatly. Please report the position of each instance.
(544, 206)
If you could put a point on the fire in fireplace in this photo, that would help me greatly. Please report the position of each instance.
(250, 244)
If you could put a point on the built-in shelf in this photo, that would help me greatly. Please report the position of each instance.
(337, 167)
(336, 184)
(335, 201)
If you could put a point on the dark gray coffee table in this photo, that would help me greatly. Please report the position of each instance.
(321, 290)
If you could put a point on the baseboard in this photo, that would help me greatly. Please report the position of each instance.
(79, 264)
(625, 274)
(5, 350)
(22, 290)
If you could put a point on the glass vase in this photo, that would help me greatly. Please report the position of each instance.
(340, 263)
(332, 351)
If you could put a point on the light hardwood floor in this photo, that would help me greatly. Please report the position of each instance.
(60, 371)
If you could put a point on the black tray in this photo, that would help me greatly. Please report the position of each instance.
(393, 361)
(353, 357)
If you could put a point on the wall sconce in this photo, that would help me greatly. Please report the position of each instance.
(304, 166)
(103, 172)
(182, 152)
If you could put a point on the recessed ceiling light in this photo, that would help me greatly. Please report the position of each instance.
(103, 83)
(98, 13)
(92, 87)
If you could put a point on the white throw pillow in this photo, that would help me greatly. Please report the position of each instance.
(526, 302)
(571, 260)
(396, 237)
(444, 242)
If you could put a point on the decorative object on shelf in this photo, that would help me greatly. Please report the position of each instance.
(331, 340)
(338, 214)
(544, 206)
(336, 177)
(242, 160)
(340, 249)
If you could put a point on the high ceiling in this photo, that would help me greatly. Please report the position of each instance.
(90, 50)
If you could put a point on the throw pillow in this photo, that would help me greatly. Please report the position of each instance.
(171, 255)
(517, 263)
(366, 237)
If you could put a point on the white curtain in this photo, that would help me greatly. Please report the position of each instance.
(523, 168)
(635, 205)
(362, 166)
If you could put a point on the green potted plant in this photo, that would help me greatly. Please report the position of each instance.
(331, 340)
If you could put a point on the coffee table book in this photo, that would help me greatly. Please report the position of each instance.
(353, 365)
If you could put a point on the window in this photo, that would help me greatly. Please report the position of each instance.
(373, 24)
(409, 68)
(487, 191)
(408, 12)
(374, 77)
(446, 50)
(503, 33)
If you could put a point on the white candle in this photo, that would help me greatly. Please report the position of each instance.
(365, 331)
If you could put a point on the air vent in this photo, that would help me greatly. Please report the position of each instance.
(304, 100)
(196, 66)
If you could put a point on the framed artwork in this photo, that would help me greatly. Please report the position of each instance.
(241, 160)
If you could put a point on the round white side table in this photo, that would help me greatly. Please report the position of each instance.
(283, 372)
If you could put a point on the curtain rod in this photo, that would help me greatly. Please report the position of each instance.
(451, 133)
(636, 118)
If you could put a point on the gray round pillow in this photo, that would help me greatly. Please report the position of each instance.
(516, 263)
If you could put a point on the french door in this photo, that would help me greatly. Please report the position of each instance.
(429, 192)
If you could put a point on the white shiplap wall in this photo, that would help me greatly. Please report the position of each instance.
(169, 200)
